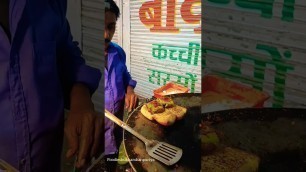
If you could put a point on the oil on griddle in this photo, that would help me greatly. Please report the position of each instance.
(276, 136)
(182, 134)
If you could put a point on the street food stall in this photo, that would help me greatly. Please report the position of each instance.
(162, 40)
(244, 98)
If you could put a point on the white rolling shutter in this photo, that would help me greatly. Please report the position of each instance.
(93, 42)
(152, 69)
(259, 43)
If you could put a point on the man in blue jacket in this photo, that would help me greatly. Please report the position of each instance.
(119, 85)
(40, 67)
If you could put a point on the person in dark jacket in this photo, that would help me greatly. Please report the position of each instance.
(40, 68)
(119, 85)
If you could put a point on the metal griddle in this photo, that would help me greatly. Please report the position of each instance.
(183, 134)
(285, 160)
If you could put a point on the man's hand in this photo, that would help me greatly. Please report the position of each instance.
(83, 127)
(131, 99)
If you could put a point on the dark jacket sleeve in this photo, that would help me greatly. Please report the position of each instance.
(72, 66)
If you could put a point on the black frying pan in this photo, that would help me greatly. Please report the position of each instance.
(277, 136)
(182, 134)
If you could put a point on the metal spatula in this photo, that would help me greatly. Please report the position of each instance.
(164, 152)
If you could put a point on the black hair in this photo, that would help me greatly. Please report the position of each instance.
(112, 8)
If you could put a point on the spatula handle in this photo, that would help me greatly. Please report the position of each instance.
(124, 126)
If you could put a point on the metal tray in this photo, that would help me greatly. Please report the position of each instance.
(183, 134)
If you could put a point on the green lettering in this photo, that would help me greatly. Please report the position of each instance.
(288, 10)
(159, 52)
(281, 70)
(265, 6)
(181, 59)
(194, 47)
(193, 79)
(260, 64)
(236, 64)
(171, 54)
(259, 73)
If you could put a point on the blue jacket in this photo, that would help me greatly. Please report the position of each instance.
(117, 79)
(38, 67)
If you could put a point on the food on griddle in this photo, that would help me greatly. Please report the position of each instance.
(155, 107)
(209, 142)
(166, 116)
(209, 139)
(145, 112)
(230, 159)
(217, 157)
(178, 111)
(166, 102)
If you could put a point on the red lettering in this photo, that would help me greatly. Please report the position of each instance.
(154, 17)
(187, 14)
(150, 14)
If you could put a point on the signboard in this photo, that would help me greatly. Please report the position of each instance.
(258, 43)
(165, 44)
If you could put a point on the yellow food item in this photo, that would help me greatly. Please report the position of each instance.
(178, 111)
(166, 102)
(155, 107)
(167, 116)
(230, 160)
(145, 112)
(209, 142)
